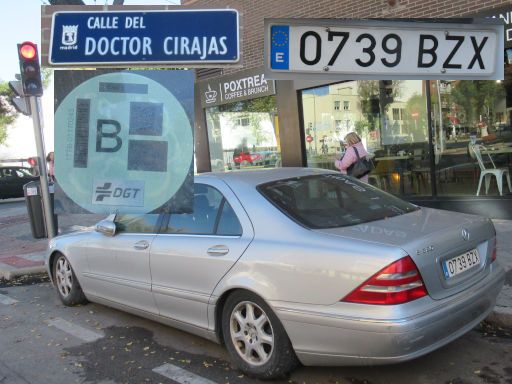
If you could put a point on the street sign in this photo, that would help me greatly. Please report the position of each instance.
(371, 49)
(124, 141)
(144, 37)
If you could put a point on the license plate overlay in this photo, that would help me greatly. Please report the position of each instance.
(458, 264)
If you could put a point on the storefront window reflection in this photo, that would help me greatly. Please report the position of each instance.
(244, 135)
(472, 137)
(391, 119)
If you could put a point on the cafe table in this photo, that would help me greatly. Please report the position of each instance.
(402, 162)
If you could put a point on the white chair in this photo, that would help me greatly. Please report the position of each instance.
(487, 173)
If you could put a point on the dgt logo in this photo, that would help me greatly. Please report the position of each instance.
(119, 192)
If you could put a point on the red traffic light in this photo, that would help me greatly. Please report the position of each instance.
(28, 50)
(32, 161)
(30, 70)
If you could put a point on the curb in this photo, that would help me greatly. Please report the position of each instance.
(7, 273)
(502, 313)
(501, 317)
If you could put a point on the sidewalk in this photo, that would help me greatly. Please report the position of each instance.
(22, 255)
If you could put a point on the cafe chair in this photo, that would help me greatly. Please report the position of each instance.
(380, 181)
(488, 173)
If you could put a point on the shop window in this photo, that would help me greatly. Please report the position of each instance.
(392, 126)
(472, 137)
(244, 135)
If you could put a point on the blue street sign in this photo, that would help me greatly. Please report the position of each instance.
(150, 37)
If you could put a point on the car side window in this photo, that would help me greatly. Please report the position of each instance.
(23, 172)
(202, 220)
(8, 172)
(228, 222)
(136, 223)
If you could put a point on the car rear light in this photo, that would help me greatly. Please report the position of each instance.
(398, 283)
(494, 253)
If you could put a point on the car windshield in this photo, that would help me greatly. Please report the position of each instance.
(332, 200)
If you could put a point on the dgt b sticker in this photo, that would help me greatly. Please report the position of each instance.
(123, 143)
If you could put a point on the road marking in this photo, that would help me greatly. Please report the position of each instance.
(181, 375)
(6, 300)
(75, 330)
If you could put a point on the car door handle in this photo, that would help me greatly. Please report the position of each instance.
(218, 250)
(143, 244)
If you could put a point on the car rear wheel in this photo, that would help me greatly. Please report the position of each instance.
(66, 282)
(255, 338)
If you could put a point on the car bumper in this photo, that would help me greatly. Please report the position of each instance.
(328, 337)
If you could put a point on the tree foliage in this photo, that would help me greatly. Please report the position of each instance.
(477, 99)
(7, 111)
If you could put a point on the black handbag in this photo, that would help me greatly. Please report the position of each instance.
(361, 167)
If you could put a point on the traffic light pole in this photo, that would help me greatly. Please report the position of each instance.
(43, 176)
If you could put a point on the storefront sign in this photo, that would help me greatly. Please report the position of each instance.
(144, 37)
(124, 141)
(243, 85)
(505, 15)
(370, 49)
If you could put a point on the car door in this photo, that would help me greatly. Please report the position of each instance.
(118, 266)
(22, 177)
(10, 183)
(194, 251)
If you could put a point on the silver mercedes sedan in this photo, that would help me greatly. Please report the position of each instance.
(289, 266)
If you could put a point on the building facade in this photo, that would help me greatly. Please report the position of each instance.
(444, 144)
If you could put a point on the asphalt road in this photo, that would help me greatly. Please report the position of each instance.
(41, 341)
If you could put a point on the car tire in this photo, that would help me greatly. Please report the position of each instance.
(255, 338)
(66, 282)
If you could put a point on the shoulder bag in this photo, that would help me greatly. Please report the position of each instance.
(361, 167)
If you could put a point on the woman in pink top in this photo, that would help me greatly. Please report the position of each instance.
(352, 140)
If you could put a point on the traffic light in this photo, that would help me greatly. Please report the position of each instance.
(386, 91)
(32, 162)
(30, 69)
(19, 100)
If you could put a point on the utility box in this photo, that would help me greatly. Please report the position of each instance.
(34, 201)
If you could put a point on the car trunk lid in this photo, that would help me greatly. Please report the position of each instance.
(432, 237)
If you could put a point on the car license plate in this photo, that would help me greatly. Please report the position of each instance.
(461, 263)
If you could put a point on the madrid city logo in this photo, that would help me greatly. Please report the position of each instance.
(69, 37)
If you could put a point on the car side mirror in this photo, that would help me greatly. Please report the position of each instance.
(106, 227)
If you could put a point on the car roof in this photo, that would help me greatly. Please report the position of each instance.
(13, 167)
(261, 176)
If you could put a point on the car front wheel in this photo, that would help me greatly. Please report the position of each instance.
(66, 282)
(255, 338)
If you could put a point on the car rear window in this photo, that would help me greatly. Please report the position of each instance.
(332, 200)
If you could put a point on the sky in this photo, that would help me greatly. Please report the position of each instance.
(21, 21)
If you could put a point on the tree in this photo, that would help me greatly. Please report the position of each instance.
(477, 99)
(7, 112)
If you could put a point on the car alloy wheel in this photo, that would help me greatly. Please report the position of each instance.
(64, 276)
(252, 333)
(66, 282)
